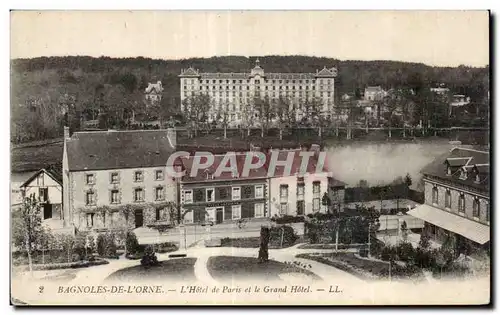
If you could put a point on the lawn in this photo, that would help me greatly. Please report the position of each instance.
(362, 268)
(179, 269)
(229, 268)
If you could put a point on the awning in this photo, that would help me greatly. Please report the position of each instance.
(470, 229)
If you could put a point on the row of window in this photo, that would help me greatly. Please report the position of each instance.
(300, 190)
(210, 194)
(274, 87)
(476, 205)
(114, 177)
(111, 218)
(300, 206)
(115, 197)
(235, 212)
(193, 81)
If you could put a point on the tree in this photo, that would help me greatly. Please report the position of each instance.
(424, 243)
(265, 112)
(222, 117)
(126, 211)
(404, 231)
(196, 109)
(247, 116)
(27, 227)
(326, 202)
(285, 113)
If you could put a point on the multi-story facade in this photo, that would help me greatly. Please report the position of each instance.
(216, 199)
(235, 92)
(206, 197)
(111, 170)
(457, 202)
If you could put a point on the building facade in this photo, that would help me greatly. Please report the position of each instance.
(117, 178)
(46, 186)
(216, 198)
(457, 202)
(374, 93)
(235, 93)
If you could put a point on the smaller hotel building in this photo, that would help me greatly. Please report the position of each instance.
(457, 199)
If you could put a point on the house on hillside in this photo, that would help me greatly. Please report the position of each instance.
(153, 92)
(374, 93)
(108, 174)
(457, 200)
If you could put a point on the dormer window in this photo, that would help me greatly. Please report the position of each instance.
(210, 176)
(478, 179)
(448, 171)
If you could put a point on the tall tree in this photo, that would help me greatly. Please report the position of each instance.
(196, 109)
(222, 117)
(265, 111)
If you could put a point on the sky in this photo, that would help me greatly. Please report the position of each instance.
(442, 38)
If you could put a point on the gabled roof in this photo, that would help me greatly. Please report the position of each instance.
(332, 72)
(51, 172)
(154, 87)
(103, 150)
(189, 72)
(460, 158)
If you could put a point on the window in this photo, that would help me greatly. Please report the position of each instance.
(461, 203)
(435, 195)
(236, 212)
(159, 175)
(487, 207)
(115, 196)
(236, 193)
(114, 178)
(90, 198)
(447, 199)
(259, 210)
(210, 194)
(300, 191)
(39, 180)
(316, 204)
(316, 188)
(138, 176)
(138, 194)
(158, 214)
(300, 207)
(90, 219)
(283, 208)
(43, 194)
(259, 191)
(284, 191)
(475, 208)
(90, 179)
(188, 196)
(159, 193)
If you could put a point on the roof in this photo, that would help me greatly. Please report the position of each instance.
(189, 72)
(154, 87)
(458, 158)
(102, 150)
(261, 172)
(475, 231)
(332, 72)
(201, 175)
(54, 173)
(373, 89)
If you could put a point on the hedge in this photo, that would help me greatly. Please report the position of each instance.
(287, 219)
(72, 265)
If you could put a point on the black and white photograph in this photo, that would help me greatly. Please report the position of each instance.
(250, 158)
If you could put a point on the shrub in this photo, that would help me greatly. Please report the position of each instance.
(131, 243)
(79, 248)
(288, 233)
(101, 245)
(110, 246)
(406, 252)
(288, 219)
(388, 253)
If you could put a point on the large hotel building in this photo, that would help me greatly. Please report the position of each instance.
(235, 92)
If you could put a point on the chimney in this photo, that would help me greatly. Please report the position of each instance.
(66, 133)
